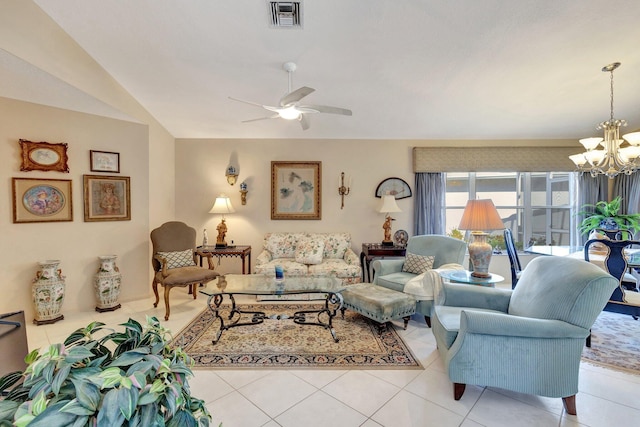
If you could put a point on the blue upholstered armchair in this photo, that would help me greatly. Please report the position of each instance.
(529, 339)
(447, 253)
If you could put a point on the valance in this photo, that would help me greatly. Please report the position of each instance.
(493, 159)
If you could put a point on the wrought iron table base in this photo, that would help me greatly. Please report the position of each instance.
(299, 317)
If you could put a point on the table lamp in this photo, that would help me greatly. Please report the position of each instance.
(222, 206)
(480, 216)
(389, 205)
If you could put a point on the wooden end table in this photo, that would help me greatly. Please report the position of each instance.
(377, 250)
(243, 252)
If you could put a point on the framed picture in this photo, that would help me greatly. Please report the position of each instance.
(295, 190)
(41, 200)
(397, 187)
(104, 161)
(107, 198)
(44, 156)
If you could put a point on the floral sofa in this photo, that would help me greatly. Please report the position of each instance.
(310, 254)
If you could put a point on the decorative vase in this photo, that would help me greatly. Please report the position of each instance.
(106, 284)
(47, 292)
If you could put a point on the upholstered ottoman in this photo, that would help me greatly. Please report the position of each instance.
(378, 304)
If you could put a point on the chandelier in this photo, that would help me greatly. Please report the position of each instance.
(611, 159)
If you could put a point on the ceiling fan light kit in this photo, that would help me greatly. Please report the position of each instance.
(289, 106)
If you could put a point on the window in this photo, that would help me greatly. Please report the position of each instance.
(536, 206)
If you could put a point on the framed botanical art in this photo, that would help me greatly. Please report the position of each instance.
(295, 190)
(41, 200)
(107, 198)
(44, 156)
(104, 161)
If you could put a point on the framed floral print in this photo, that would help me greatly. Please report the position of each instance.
(104, 161)
(295, 190)
(44, 156)
(107, 198)
(41, 200)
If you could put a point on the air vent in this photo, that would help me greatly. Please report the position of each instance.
(285, 14)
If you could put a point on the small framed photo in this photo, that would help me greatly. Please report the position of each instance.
(44, 156)
(41, 200)
(107, 198)
(295, 190)
(104, 161)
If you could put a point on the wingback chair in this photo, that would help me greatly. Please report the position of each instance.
(528, 339)
(447, 253)
(174, 263)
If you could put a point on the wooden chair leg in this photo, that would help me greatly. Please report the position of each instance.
(167, 312)
(569, 403)
(154, 285)
(458, 390)
(428, 320)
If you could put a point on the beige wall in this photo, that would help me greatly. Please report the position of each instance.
(76, 244)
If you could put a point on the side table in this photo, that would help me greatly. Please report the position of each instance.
(464, 276)
(243, 252)
(377, 250)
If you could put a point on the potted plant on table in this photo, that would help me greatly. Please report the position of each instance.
(606, 216)
(130, 378)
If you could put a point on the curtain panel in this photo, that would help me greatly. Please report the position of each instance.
(429, 203)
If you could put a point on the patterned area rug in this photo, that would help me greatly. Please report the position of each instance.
(615, 342)
(282, 343)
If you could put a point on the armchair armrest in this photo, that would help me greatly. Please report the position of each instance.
(163, 264)
(503, 324)
(264, 257)
(382, 267)
(351, 258)
(459, 295)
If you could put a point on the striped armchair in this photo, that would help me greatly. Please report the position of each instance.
(528, 339)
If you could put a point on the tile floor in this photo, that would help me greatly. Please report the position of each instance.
(390, 398)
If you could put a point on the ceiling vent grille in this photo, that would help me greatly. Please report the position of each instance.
(285, 14)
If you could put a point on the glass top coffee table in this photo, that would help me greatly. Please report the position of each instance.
(260, 284)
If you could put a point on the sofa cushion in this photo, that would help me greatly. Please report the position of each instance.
(335, 244)
(289, 266)
(309, 251)
(395, 281)
(338, 267)
(282, 245)
(178, 259)
(417, 264)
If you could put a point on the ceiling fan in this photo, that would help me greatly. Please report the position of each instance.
(289, 106)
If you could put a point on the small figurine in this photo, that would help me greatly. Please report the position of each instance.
(205, 239)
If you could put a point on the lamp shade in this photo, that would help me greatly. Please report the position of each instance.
(389, 204)
(481, 215)
(222, 205)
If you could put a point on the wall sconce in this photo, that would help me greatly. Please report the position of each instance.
(232, 175)
(342, 190)
(243, 192)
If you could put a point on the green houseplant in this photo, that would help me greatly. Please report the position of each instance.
(605, 215)
(130, 378)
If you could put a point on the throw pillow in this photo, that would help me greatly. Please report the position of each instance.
(178, 259)
(417, 264)
(310, 251)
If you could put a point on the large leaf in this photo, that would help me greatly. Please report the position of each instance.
(9, 380)
(130, 357)
(76, 354)
(127, 401)
(74, 407)
(53, 417)
(7, 409)
(60, 378)
(110, 414)
(88, 394)
(182, 419)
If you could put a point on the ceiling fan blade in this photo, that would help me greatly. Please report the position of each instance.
(304, 121)
(266, 107)
(296, 95)
(275, 116)
(325, 109)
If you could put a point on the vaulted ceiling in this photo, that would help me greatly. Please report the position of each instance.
(408, 69)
